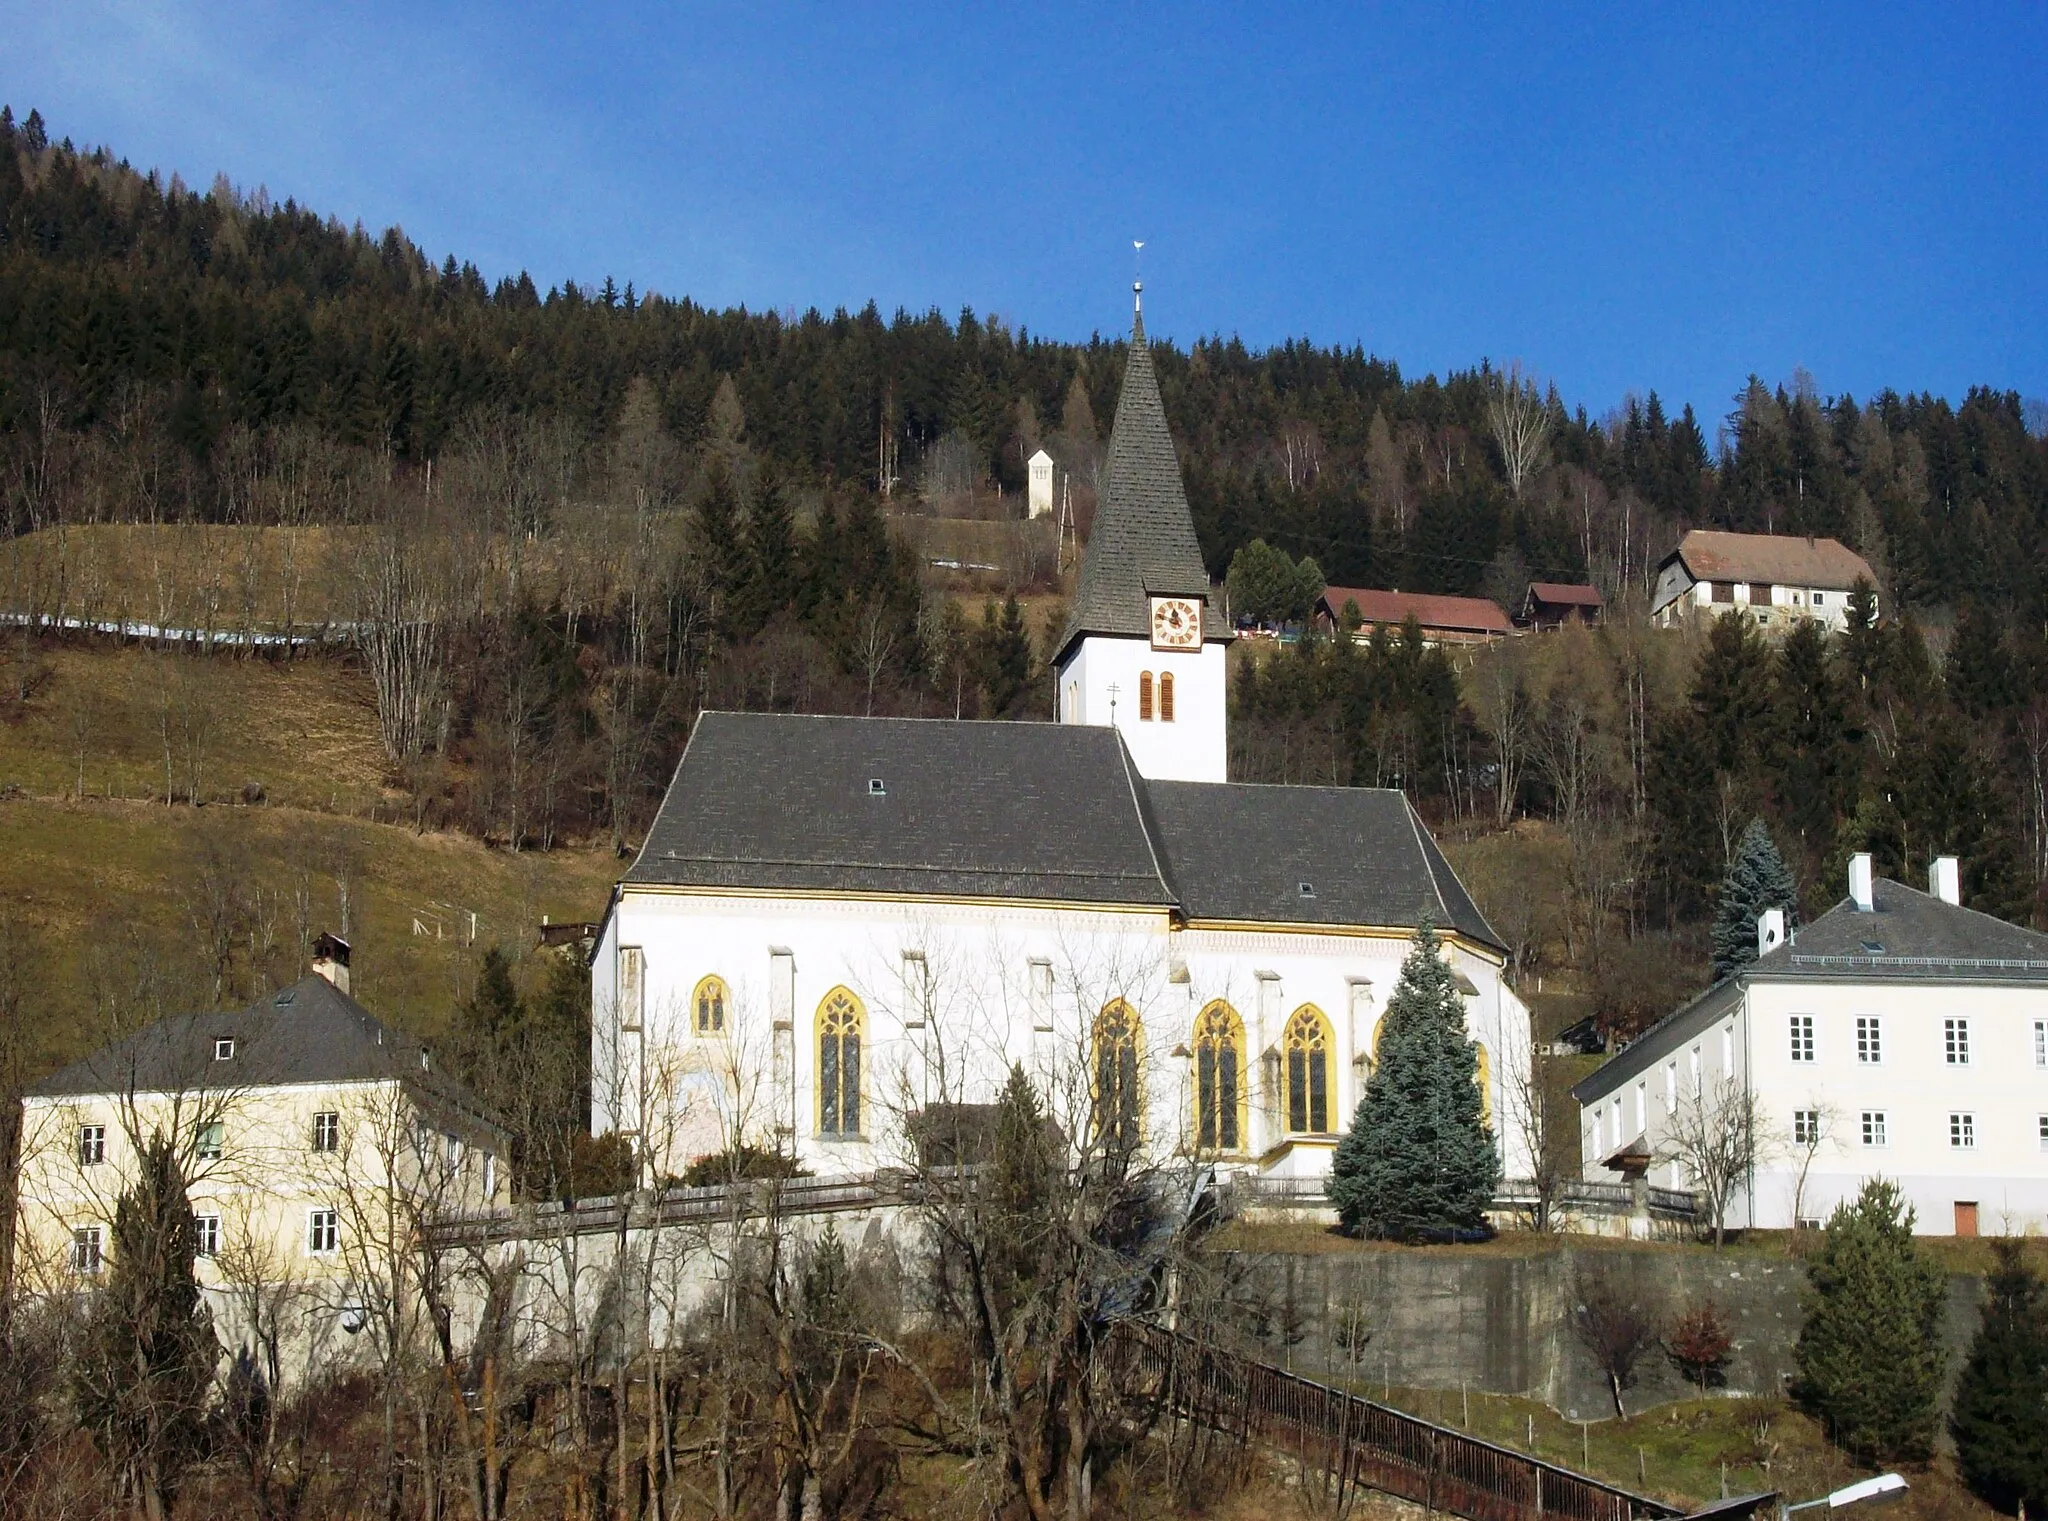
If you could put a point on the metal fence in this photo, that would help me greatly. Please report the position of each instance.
(1586, 1194)
(1357, 1442)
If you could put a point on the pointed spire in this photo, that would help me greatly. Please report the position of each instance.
(1143, 543)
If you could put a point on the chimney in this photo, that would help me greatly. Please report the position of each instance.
(330, 960)
(1942, 880)
(1859, 882)
(1770, 931)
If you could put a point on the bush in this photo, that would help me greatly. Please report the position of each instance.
(1699, 1344)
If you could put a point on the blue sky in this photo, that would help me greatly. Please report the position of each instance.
(1648, 196)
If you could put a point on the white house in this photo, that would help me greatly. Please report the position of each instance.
(1899, 1035)
(836, 924)
(1779, 579)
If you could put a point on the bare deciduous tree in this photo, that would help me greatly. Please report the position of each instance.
(1520, 419)
(1717, 1136)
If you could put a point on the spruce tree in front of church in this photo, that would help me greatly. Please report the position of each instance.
(1419, 1157)
(1757, 879)
(2000, 1416)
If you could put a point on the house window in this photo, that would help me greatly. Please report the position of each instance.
(92, 1145)
(327, 1131)
(1166, 697)
(840, 1018)
(490, 1175)
(1308, 1071)
(632, 986)
(88, 1248)
(1723, 591)
(1671, 1087)
(209, 1141)
(224, 1049)
(1118, 1104)
(2041, 1042)
(1819, 598)
(206, 1235)
(1802, 1037)
(1873, 1127)
(2041, 1122)
(1219, 1082)
(323, 1232)
(452, 1150)
(1955, 1038)
(1806, 1127)
(1869, 1040)
(1145, 696)
(1642, 1107)
(710, 1006)
(1962, 1131)
(1697, 1087)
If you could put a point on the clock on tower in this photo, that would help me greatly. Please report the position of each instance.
(1176, 623)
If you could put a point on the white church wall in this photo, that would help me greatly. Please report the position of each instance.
(1193, 747)
(954, 994)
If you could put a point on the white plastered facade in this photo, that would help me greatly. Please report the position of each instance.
(1193, 746)
(952, 994)
(1913, 1102)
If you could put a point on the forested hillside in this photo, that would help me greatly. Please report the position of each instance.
(562, 514)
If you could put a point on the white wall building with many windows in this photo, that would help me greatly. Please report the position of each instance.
(1900, 1035)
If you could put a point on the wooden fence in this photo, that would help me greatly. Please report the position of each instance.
(1357, 1442)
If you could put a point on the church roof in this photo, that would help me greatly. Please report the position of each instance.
(1035, 811)
(1306, 855)
(964, 809)
(1143, 542)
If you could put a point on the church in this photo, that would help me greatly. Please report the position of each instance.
(839, 928)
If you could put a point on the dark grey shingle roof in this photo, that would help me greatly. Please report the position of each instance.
(1240, 852)
(310, 1032)
(1052, 812)
(968, 809)
(1922, 938)
(1143, 542)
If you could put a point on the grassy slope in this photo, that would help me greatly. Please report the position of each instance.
(84, 875)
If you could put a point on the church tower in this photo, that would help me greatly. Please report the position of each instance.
(1144, 648)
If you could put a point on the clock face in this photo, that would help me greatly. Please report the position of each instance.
(1176, 623)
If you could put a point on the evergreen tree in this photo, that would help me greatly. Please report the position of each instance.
(1814, 745)
(1979, 672)
(2000, 1416)
(145, 1371)
(768, 580)
(1731, 692)
(1419, 1155)
(1869, 1355)
(715, 530)
(1005, 659)
(1757, 879)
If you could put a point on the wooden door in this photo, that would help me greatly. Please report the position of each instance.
(1966, 1217)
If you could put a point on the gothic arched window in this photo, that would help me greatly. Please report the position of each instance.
(840, 1020)
(1308, 1045)
(1166, 697)
(1145, 696)
(709, 1006)
(1118, 1104)
(1219, 1079)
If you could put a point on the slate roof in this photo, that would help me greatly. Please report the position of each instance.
(968, 809)
(308, 1033)
(1143, 542)
(1774, 559)
(1235, 851)
(1036, 811)
(1908, 936)
(1465, 614)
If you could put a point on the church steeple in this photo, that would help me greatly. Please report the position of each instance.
(1143, 543)
(1143, 649)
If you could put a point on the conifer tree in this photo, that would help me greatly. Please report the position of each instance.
(142, 1379)
(1005, 658)
(2000, 1416)
(1757, 879)
(1419, 1156)
(721, 557)
(1869, 1355)
(770, 553)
